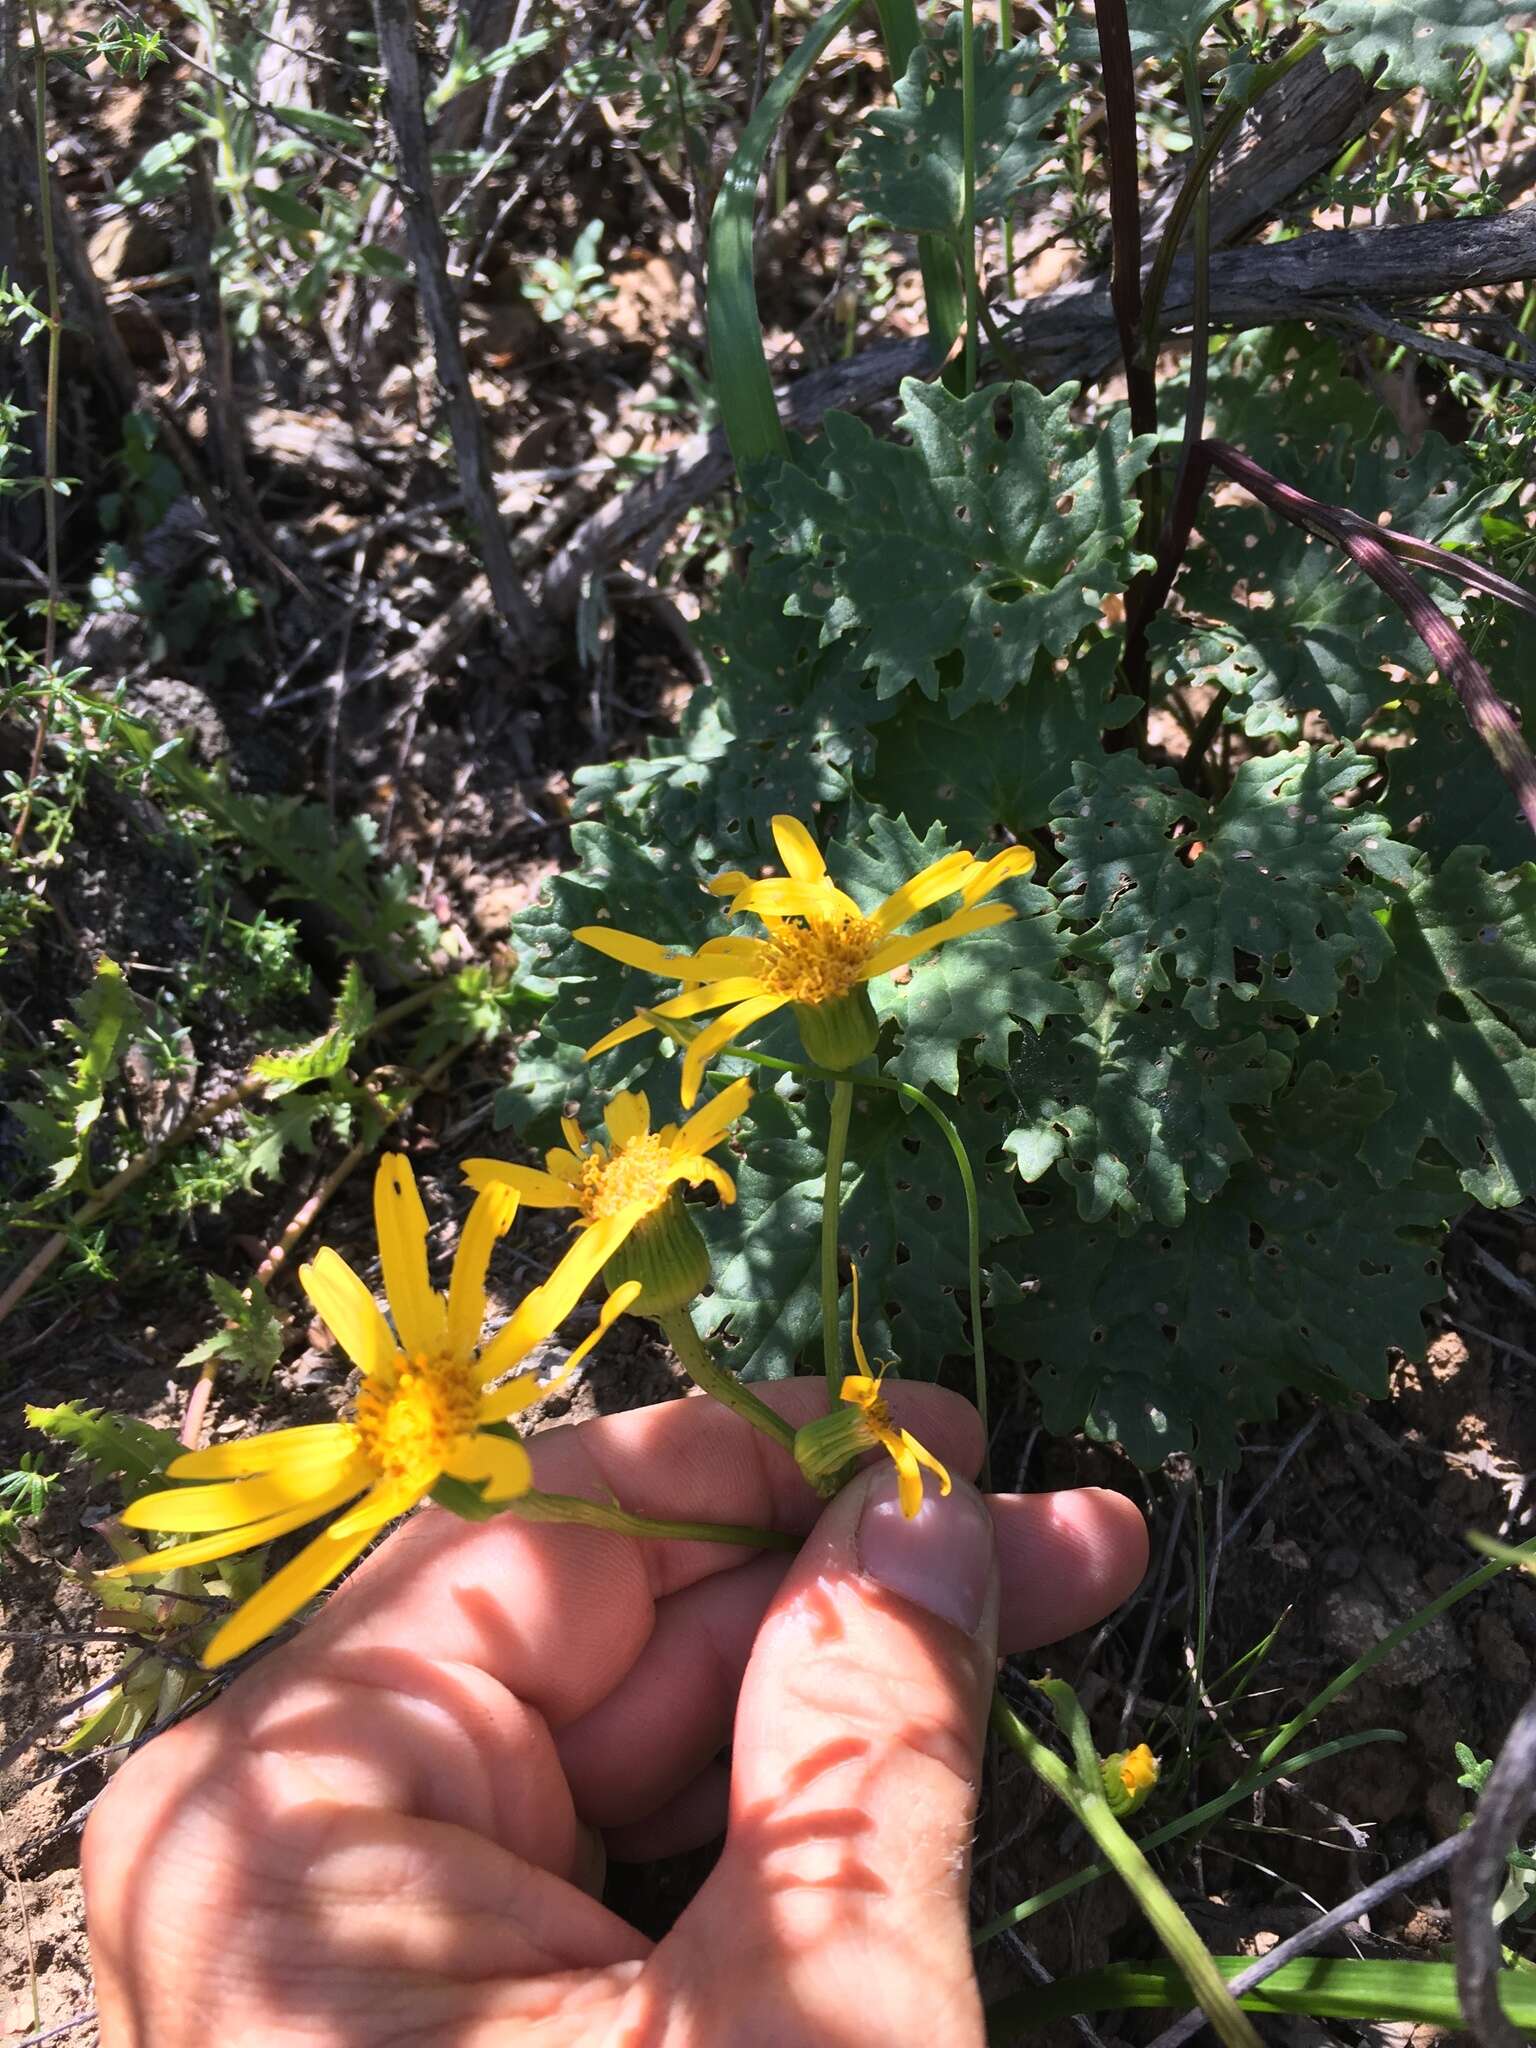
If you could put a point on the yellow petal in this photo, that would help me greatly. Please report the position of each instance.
(490, 1218)
(909, 1477)
(777, 898)
(523, 1391)
(572, 1133)
(926, 1458)
(230, 1504)
(988, 875)
(620, 1035)
(506, 1465)
(380, 1504)
(541, 1313)
(348, 1310)
(860, 1389)
(858, 1341)
(401, 1221)
(696, 1168)
(280, 1599)
(636, 952)
(720, 1033)
(628, 1117)
(565, 1166)
(941, 879)
(538, 1190)
(322, 1443)
(731, 883)
(897, 952)
(707, 1126)
(799, 852)
(226, 1542)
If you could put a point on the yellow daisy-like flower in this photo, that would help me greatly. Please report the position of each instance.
(1130, 1776)
(819, 951)
(631, 1219)
(420, 1414)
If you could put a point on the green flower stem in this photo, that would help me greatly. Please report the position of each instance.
(1185, 1824)
(956, 1144)
(1089, 1807)
(706, 1372)
(901, 33)
(593, 1514)
(968, 184)
(831, 1208)
(1197, 174)
(1005, 43)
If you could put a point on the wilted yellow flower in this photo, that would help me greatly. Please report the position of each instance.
(820, 950)
(632, 1219)
(421, 1414)
(824, 1446)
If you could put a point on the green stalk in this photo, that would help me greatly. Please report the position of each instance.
(592, 1514)
(1089, 1807)
(1185, 1824)
(962, 1160)
(968, 185)
(831, 1206)
(742, 383)
(1199, 171)
(1320, 1987)
(942, 290)
(706, 1372)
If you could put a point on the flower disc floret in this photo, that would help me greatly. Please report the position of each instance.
(818, 948)
(410, 1425)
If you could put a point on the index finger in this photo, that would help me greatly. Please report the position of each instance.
(558, 1614)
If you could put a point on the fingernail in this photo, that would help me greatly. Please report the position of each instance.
(941, 1559)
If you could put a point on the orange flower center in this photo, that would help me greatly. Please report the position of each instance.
(818, 961)
(641, 1171)
(409, 1424)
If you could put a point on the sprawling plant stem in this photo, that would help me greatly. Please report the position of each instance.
(591, 1514)
(1119, 74)
(717, 1380)
(1081, 1791)
(968, 184)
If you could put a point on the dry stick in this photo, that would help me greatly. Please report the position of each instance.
(1503, 1807)
(279, 1253)
(1307, 1939)
(1490, 717)
(395, 22)
(50, 422)
(1119, 70)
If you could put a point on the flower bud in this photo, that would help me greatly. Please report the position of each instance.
(668, 1257)
(839, 1033)
(1129, 1776)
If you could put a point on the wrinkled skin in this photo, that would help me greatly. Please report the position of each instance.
(392, 1830)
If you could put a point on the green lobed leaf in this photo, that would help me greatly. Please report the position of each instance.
(1303, 1274)
(1134, 1106)
(999, 764)
(105, 1018)
(252, 1332)
(1255, 897)
(1427, 43)
(1449, 1027)
(907, 162)
(1160, 29)
(996, 532)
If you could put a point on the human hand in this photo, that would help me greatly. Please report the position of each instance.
(392, 1830)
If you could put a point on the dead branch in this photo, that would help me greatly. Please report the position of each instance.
(1070, 333)
(395, 21)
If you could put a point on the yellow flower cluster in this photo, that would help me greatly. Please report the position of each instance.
(435, 1393)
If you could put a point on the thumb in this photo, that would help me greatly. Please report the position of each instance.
(855, 1770)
